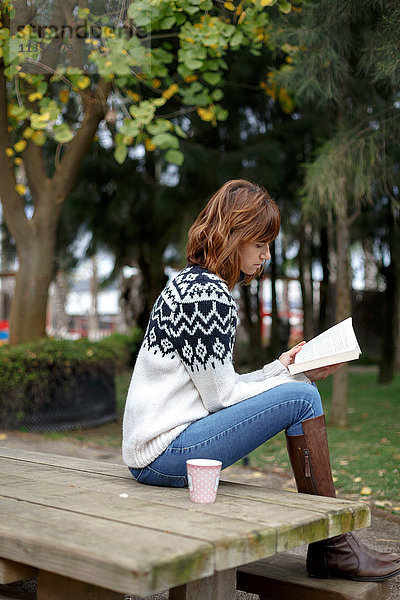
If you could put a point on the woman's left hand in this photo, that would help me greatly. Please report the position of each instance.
(287, 358)
(322, 372)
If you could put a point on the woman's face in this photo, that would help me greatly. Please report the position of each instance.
(252, 254)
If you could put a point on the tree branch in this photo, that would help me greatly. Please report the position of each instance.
(35, 170)
(353, 217)
(64, 179)
(13, 203)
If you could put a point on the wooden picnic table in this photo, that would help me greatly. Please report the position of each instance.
(93, 532)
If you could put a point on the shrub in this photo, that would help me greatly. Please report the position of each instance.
(38, 373)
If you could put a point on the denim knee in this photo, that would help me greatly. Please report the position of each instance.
(150, 476)
(315, 399)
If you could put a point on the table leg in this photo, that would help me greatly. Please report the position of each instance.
(221, 586)
(56, 587)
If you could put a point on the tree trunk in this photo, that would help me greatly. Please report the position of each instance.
(154, 280)
(323, 322)
(343, 310)
(390, 338)
(29, 305)
(252, 326)
(274, 343)
(305, 279)
(94, 328)
(57, 301)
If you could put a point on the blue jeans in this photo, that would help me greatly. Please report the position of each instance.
(233, 432)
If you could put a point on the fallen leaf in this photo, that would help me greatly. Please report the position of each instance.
(366, 491)
(357, 479)
(3, 436)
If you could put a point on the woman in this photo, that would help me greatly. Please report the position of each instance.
(185, 399)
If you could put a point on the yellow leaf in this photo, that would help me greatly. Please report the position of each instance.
(206, 114)
(366, 491)
(83, 82)
(242, 17)
(134, 95)
(9, 151)
(357, 479)
(156, 83)
(28, 132)
(169, 92)
(229, 6)
(267, 2)
(150, 147)
(20, 146)
(191, 78)
(18, 161)
(20, 188)
(38, 138)
(3, 436)
(64, 96)
(35, 96)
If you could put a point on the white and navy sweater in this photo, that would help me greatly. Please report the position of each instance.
(184, 368)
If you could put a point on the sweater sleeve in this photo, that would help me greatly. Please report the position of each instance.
(203, 332)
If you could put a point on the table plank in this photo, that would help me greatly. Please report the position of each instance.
(235, 541)
(105, 553)
(68, 462)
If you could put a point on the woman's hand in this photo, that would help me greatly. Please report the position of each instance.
(287, 358)
(322, 372)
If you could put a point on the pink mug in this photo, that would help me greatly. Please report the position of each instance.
(203, 479)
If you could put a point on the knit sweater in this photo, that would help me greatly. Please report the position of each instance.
(184, 368)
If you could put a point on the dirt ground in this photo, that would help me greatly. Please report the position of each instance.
(384, 533)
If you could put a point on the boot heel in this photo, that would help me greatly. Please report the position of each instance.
(323, 574)
(316, 564)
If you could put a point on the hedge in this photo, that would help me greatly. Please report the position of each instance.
(37, 374)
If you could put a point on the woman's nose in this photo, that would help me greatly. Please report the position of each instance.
(265, 255)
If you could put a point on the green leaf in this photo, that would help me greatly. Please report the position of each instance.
(217, 94)
(284, 6)
(42, 87)
(236, 40)
(160, 126)
(158, 101)
(221, 114)
(120, 154)
(167, 23)
(180, 131)
(211, 78)
(193, 63)
(176, 157)
(165, 141)
(62, 133)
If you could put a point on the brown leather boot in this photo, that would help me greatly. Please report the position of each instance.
(343, 555)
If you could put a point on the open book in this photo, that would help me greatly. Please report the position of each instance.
(335, 345)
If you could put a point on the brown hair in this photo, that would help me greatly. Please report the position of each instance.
(239, 211)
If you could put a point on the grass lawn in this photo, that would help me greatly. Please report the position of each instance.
(365, 457)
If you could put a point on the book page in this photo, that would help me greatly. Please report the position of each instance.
(335, 340)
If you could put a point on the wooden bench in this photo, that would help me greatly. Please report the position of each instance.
(91, 531)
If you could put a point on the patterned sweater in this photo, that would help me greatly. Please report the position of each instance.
(184, 368)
